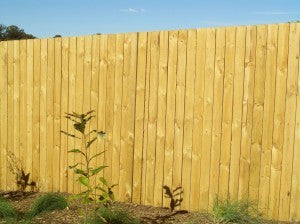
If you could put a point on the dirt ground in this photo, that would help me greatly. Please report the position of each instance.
(74, 213)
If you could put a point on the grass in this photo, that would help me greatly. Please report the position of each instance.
(47, 202)
(112, 216)
(235, 212)
(6, 209)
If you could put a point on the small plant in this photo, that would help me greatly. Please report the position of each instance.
(16, 167)
(112, 216)
(173, 195)
(235, 212)
(6, 209)
(48, 202)
(84, 169)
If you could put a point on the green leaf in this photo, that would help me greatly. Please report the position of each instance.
(85, 181)
(70, 135)
(104, 181)
(101, 134)
(96, 155)
(79, 171)
(77, 151)
(97, 170)
(91, 142)
(71, 167)
(80, 127)
(101, 189)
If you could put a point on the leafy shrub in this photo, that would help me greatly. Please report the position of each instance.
(48, 202)
(6, 209)
(112, 216)
(235, 212)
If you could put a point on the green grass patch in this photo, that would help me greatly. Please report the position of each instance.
(235, 212)
(6, 209)
(112, 216)
(47, 202)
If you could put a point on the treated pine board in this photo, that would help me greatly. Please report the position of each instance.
(146, 119)
(179, 108)
(258, 111)
(207, 121)
(227, 113)
(198, 118)
(23, 111)
(161, 117)
(3, 113)
(94, 93)
(43, 118)
(217, 115)
(128, 102)
(237, 112)
(56, 112)
(102, 98)
(250, 60)
(170, 119)
(29, 107)
(71, 108)
(50, 114)
(79, 83)
(117, 113)
(279, 119)
(139, 118)
(63, 182)
(10, 109)
(267, 139)
(153, 89)
(289, 130)
(295, 191)
(109, 117)
(188, 116)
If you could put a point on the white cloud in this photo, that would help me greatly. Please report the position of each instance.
(273, 13)
(132, 10)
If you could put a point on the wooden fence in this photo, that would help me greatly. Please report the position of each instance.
(215, 110)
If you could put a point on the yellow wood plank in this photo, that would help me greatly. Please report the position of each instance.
(50, 115)
(23, 111)
(279, 118)
(188, 117)
(94, 92)
(179, 111)
(29, 107)
(71, 108)
(63, 182)
(295, 191)
(247, 112)
(57, 110)
(198, 118)
(127, 130)
(117, 113)
(109, 111)
(217, 115)
(227, 113)
(170, 119)
(237, 112)
(289, 130)
(150, 163)
(139, 118)
(3, 112)
(10, 108)
(43, 118)
(146, 120)
(207, 121)
(267, 140)
(161, 117)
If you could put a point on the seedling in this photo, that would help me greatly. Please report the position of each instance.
(174, 195)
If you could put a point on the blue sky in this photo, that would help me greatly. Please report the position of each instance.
(45, 18)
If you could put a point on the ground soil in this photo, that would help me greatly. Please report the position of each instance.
(74, 213)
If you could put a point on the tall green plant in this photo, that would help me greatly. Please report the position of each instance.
(84, 169)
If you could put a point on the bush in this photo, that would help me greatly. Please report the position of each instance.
(6, 209)
(235, 212)
(48, 202)
(112, 216)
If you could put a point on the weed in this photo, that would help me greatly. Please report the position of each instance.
(177, 192)
(48, 202)
(6, 209)
(235, 212)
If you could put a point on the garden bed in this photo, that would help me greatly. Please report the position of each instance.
(74, 212)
